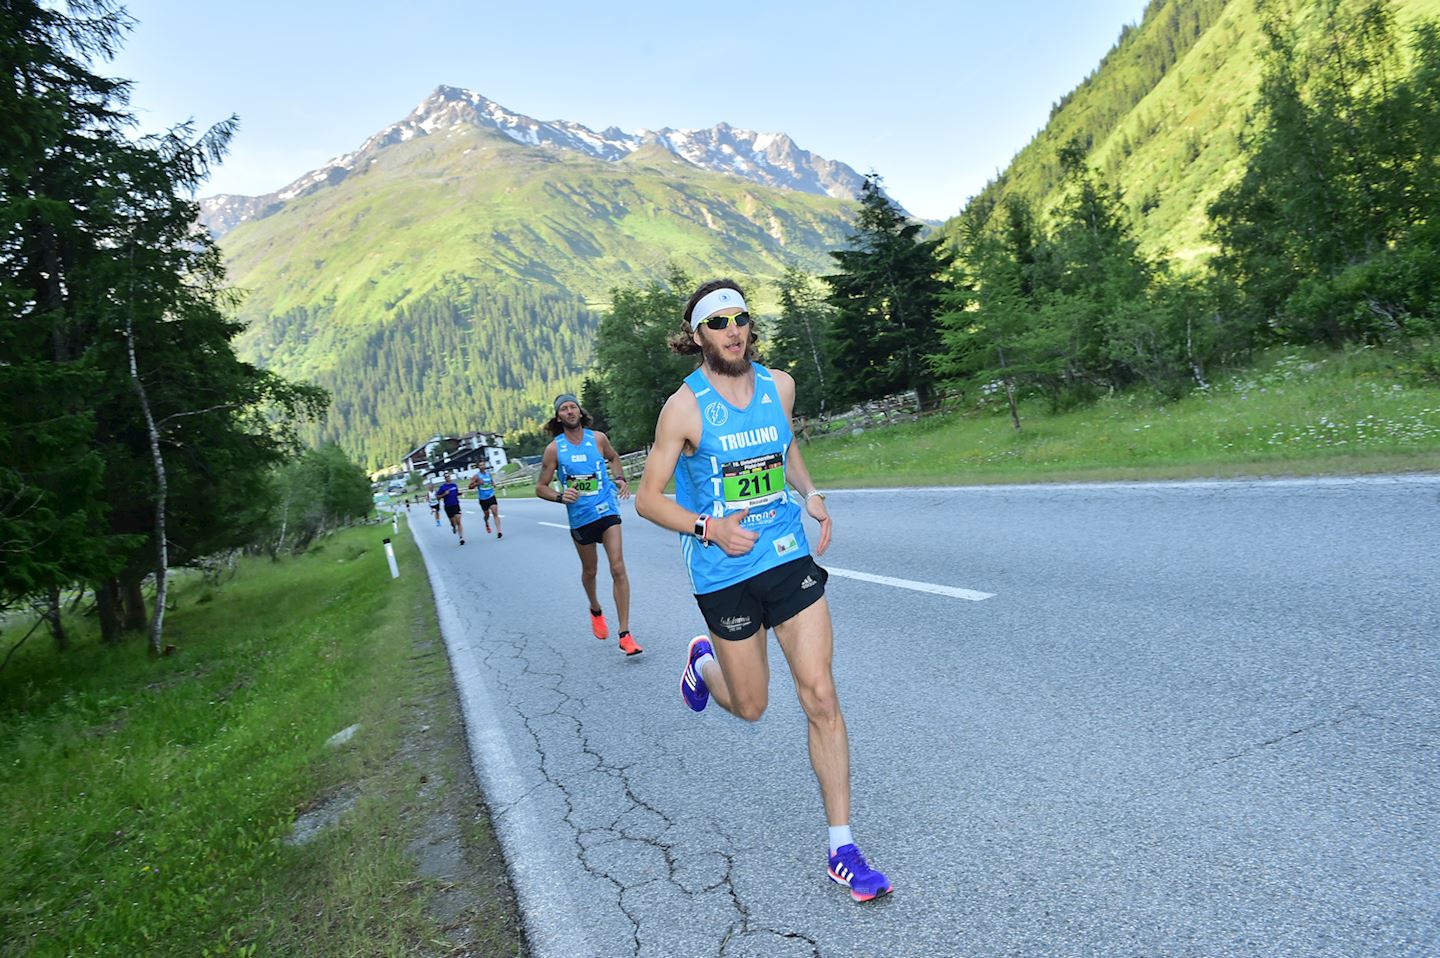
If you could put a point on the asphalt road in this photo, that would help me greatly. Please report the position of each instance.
(1191, 719)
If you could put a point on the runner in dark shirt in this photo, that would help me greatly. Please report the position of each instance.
(449, 495)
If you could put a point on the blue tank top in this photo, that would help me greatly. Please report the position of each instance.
(580, 466)
(484, 486)
(740, 463)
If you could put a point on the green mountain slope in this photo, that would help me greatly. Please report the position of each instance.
(1161, 114)
(451, 284)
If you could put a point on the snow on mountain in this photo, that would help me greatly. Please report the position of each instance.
(772, 159)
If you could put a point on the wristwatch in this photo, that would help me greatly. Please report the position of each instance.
(814, 492)
(699, 530)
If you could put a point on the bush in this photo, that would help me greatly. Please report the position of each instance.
(320, 491)
(1393, 294)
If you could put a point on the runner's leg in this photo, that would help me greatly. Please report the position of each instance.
(739, 681)
(619, 578)
(588, 563)
(808, 642)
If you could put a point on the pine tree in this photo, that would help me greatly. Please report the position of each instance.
(992, 330)
(116, 290)
(51, 106)
(1101, 283)
(634, 364)
(800, 341)
(886, 296)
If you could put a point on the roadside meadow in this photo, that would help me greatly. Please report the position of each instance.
(190, 805)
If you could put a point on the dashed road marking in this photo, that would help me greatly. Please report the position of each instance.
(950, 590)
(554, 525)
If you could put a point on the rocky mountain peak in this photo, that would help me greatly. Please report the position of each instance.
(772, 159)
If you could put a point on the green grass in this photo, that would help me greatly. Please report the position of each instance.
(146, 803)
(1296, 413)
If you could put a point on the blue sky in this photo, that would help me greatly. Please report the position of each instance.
(936, 97)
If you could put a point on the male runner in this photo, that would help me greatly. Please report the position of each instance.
(449, 493)
(484, 485)
(725, 437)
(590, 474)
(433, 502)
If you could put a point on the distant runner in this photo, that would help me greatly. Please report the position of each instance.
(725, 437)
(484, 485)
(433, 502)
(449, 494)
(590, 475)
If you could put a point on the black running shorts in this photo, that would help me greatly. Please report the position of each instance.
(452, 510)
(489, 504)
(764, 601)
(592, 532)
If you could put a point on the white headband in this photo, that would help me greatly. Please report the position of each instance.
(713, 302)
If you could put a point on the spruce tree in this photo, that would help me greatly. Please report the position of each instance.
(52, 107)
(992, 333)
(634, 364)
(119, 295)
(886, 296)
(800, 341)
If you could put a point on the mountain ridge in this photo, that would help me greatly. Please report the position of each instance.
(768, 159)
(452, 280)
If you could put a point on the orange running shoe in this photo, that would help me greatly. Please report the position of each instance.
(628, 645)
(598, 626)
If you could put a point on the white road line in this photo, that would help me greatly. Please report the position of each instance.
(949, 590)
(554, 525)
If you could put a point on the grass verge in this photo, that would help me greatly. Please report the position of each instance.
(150, 806)
(1295, 413)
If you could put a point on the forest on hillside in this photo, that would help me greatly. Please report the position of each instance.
(460, 359)
(1327, 236)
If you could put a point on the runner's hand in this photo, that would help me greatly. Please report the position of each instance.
(623, 486)
(569, 495)
(816, 507)
(726, 533)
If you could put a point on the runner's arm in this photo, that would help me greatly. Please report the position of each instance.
(612, 458)
(543, 490)
(680, 424)
(670, 438)
(796, 472)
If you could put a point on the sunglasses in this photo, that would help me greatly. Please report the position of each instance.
(722, 322)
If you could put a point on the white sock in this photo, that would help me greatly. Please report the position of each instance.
(839, 835)
(700, 664)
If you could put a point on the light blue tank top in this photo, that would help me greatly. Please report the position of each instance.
(740, 463)
(484, 486)
(581, 466)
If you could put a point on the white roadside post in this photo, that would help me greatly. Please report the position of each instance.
(395, 520)
(390, 556)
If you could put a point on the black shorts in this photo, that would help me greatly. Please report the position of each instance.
(592, 532)
(489, 504)
(452, 510)
(763, 601)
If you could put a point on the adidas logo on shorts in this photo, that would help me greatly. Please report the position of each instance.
(736, 623)
(809, 581)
